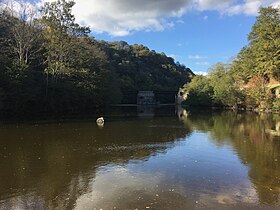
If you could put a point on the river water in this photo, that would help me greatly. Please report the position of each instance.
(143, 159)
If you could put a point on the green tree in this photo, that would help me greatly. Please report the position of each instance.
(52, 65)
(61, 33)
(199, 91)
(265, 42)
(20, 58)
(244, 65)
(225, 86)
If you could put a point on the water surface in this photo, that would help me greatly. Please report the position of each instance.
(170, 159)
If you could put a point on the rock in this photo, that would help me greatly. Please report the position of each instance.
(100, 121)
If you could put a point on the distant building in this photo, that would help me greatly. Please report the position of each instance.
(146, 98)
(180, 97)
(275, 89)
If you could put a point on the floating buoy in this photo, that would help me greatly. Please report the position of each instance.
(100, 121)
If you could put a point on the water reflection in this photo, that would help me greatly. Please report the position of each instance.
(185, 161)
(51, 165)
(256, 148)
(146, 111)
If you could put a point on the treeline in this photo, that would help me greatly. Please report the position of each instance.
(252, 80)
(49, 63)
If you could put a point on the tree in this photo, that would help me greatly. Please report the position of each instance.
(244, 66)
(50, 64)
(61, 33)
(219, 87)
(20, 41)
(199, 91)
(226, 90)
(23, 35)
(5, 52)
(265, 42)
(258, 95)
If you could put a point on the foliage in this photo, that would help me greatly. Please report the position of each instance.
(52, 64)
(199, 91)
(262, 55)
(142, 69)
(243, 67)
(276, 104)
(61, 37)
(225, 86)
(265, 42)
(217, 88)
(246, 81)
(257, 92)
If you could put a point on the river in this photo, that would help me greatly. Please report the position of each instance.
(142, 159)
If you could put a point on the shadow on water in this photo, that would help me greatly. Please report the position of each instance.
(156, 158)
(59, 161)
(251, 137)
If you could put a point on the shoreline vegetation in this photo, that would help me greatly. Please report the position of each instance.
(252, 80)
(50, 64)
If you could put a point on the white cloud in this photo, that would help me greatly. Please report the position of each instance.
(123, 17)
(276, 4)
(180, 21)
(213, 4)
(202, 63)
(174, 56)
(248, 8)
(197, 57)
(234, 7)
(200, 73)
(21, 9)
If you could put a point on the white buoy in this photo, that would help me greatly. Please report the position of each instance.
(100, 121)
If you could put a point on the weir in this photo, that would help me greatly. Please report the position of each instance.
(152, 97)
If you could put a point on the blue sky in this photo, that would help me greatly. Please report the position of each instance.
(198, 39)
(197, 33)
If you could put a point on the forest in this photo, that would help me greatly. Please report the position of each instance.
(51, 64)
(252, 79)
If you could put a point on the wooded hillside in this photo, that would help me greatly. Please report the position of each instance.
(49, 63)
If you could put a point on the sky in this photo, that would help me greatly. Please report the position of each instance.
(196, 33)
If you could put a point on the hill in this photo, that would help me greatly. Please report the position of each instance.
(53, 65)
